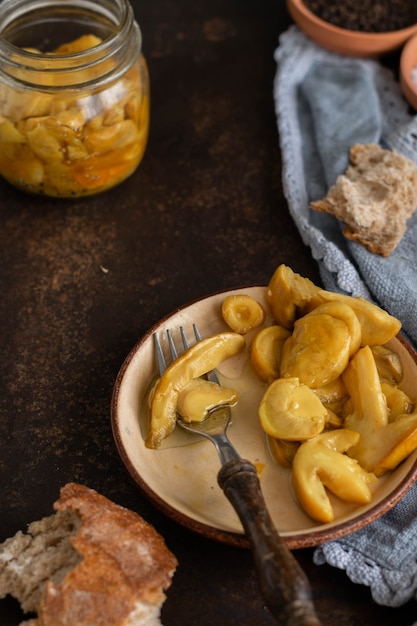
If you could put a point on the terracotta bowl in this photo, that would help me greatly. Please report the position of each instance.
(347, 42)
(407, 63)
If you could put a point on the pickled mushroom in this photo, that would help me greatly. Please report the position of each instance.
(193, 363)
(388, 364)
(291, 411)
(242, 313)
(288, 294)
(383, 444)
(200, 396)
(377, 326)
(291, 296)
(398, 402)
(61, 144)
(265, 351)
(283, 451)
(318, 350)
(320, 463)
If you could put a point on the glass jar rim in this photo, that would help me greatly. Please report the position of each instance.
(35, 68)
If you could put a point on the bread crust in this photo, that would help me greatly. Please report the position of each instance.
(374, 198)
(124, 560)
(103, 565)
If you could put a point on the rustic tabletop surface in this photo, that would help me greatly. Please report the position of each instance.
(82, 280)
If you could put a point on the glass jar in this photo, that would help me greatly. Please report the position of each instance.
(74, 95)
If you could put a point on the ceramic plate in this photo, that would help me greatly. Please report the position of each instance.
(180, 478)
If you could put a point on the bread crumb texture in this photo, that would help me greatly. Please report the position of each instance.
(374, 198)
(92, 562)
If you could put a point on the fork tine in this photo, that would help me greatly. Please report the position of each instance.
(196, 332)
(184, 338)
(174, 353)
(162, 365)
(212, 374)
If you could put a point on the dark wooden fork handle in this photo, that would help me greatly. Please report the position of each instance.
(283, 583)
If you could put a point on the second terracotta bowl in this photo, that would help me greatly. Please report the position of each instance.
(408, 71)
(344, 41)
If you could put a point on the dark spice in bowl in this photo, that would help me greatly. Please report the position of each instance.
(369, 16)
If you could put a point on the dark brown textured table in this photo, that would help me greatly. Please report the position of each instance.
(82, 280)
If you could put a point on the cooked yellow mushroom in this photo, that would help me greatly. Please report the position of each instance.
(333, 420)
(291, 411)
(194, 362)
(345, 313)
(287, 295)
(242, 313)
(388, 364)
(69, 144)
(283, 451)
(382, 445)
(199, 396)
(377, 326)
(265, 352)
(291, 296)
(333, 392)
(398, 402)
(334, 397)
(318, 350)
(85, 42)
(320, 463)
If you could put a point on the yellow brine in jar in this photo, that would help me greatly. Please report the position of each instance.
(74, 95)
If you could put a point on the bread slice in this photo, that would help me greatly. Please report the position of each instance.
(92, 562)
(374, 198)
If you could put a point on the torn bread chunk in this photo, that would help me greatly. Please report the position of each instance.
(374, 198)
(92, 562)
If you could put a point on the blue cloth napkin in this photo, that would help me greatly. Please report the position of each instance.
(324, 104)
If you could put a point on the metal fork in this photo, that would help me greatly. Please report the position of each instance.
(214, 428)
(283, 584)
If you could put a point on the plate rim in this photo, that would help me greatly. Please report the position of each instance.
(308, 539)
